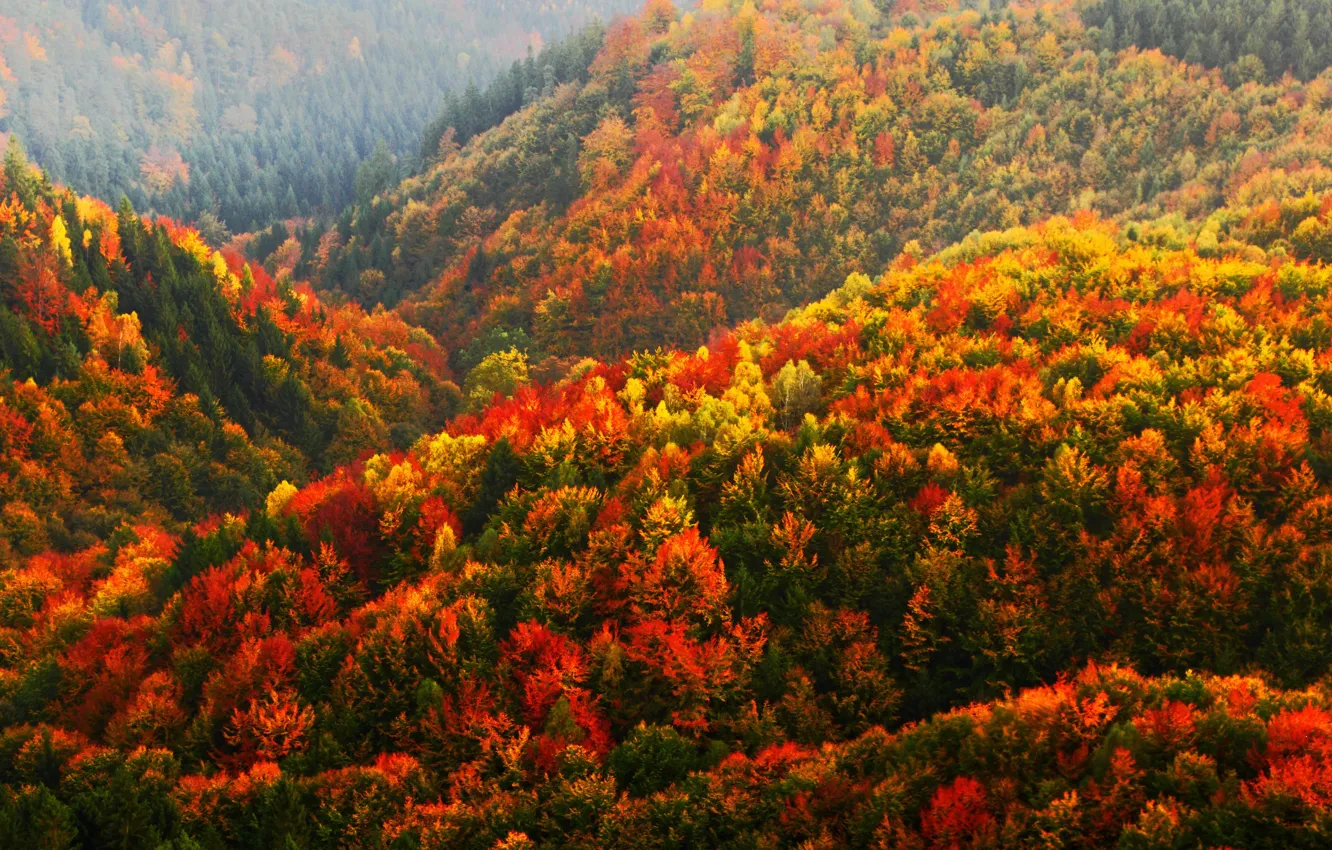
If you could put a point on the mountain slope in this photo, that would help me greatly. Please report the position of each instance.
(146, 378)
(676, 598)
(728, 164)
(250, 111)
(1105, 759)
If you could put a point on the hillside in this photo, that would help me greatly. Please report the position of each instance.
(726, 164)
(249, 111)
(146, 378)
(1106, 759)
(781, 424)
(676, 599)
(1248, 39)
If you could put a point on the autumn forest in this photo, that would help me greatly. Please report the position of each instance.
(756, 424)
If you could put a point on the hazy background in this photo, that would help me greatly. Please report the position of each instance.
(250, 110)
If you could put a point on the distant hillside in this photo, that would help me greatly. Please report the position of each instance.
(728, 163)
(1249, 39)
(249, 110)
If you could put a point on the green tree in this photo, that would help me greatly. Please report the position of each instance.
(796, 390)
(503, 372)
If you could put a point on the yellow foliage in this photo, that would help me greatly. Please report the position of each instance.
(60, 239)
(453, 464)
(666, 517)
(279, 499)
(114, 335)
(394, 485)
(941, 462)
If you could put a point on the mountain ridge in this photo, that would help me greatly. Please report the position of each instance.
(639, 227)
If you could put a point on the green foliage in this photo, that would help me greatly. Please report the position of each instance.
(652, 759)
(34, 817)
(256, 111)
(502, 373)
(497, 480)
(1252, 40)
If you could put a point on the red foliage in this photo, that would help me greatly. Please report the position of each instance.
(473, 712)
(1298, 731)
(950, 309)
(545, 665)
(340, 507)
(15, 432)
(957, 816)
(208, 610)
(549, 667)
(1201, 512)
(997, 391)
(815, 342)
(684, 582)
(1304, 779)
(1283, 408)
(885, 150)
(1171, 725)
(611, 514)
(260, 665)
(42, 295)
(928, 500)
(688, 673)
(107, 664)
(434, 515)
(312, 599)
(711, 374)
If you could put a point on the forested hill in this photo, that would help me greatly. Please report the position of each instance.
(248, 109)
(1023, 545)
(735, 160)
(146, 378)
(839, 430)
(1249, 39)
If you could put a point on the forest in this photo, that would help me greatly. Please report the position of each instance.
(778, 425)
(1250, 40)
(150, 378)
(717, 169)
(249, 111)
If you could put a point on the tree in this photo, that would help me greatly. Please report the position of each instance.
(684, 582)
(19, 175)
(375, 174)
(41, 292)
(497, 480)
(651, 759)
(37, 818)
(796, 390)
(502, 373)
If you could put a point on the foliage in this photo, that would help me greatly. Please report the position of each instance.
(648, 603)
(252, 111)
(1021, 542)
(145, 377)
(1250, 40)
(733, 162)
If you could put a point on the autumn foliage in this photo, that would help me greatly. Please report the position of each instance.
(1018, 543)
(745, 158)
(730, 578)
